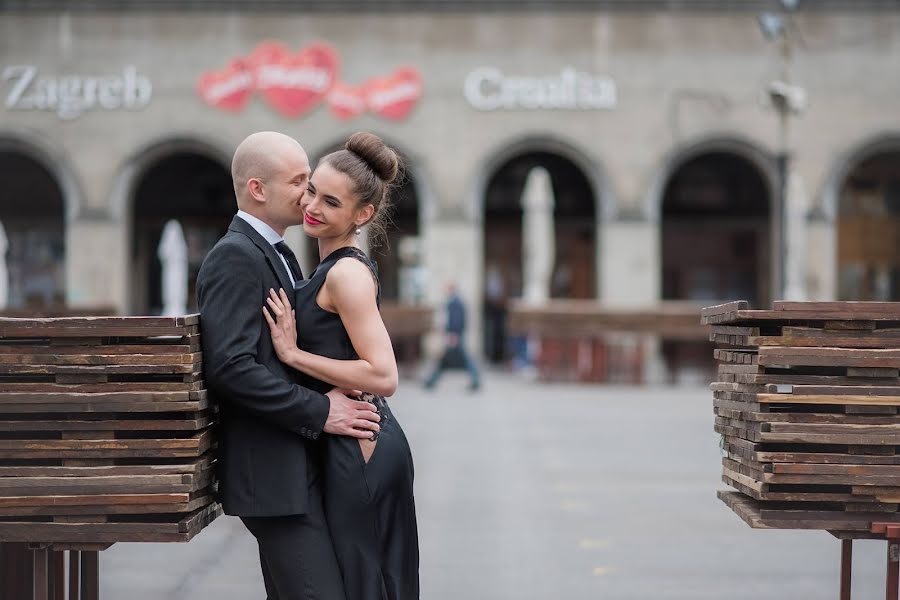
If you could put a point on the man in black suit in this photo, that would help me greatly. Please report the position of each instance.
(268, 425)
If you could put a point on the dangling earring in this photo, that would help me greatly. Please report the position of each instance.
(358, 231)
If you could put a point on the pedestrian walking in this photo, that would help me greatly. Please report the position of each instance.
(455, 355)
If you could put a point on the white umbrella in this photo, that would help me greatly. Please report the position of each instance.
(538, 236)
(174, 258)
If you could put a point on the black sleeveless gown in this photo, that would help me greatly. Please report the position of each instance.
(369, 506)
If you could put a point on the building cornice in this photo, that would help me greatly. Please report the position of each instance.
(434, 6)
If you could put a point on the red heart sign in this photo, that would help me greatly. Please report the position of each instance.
(346, 101)
(228, 89)
(393, 97)
(267, 53)
(294, 84)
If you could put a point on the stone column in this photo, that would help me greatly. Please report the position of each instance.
(630, 263)
(796, 239)
(823, 258)
(97, 253)
(631, 269)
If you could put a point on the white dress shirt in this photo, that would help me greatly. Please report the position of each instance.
(270, 236)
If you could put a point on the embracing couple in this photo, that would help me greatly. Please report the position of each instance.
(310, 457)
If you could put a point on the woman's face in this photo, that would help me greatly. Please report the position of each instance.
(330, 208)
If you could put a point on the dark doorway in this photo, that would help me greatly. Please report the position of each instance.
(715, 243)
(869, 231)
(197, 191)
(715, 231)
(33, 216)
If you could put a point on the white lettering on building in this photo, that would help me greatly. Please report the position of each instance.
(403, 92)
(487, 88)
(312, 78)
(236, 83)
(71, 95)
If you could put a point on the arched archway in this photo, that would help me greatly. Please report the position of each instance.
(716, 220)
(185, 183)
(716, 217)
(33, 217)
(575, 216)
(868, 225)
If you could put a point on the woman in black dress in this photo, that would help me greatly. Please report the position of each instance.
(343, 343)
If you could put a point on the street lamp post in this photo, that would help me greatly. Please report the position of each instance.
(787, 99)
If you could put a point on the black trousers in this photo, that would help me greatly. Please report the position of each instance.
(296, 554)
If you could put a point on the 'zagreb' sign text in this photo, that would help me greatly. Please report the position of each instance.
(71, 95)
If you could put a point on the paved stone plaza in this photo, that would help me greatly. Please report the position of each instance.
(534, 492)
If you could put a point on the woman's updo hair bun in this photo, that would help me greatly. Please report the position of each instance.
(373, 169)
(383, 161)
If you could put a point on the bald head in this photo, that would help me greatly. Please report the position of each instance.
(262, 156)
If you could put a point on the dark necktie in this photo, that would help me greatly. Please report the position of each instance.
(291, 260)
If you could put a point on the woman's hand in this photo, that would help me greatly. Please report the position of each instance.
(283, 325)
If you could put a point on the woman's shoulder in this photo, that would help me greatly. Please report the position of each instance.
(353, 267)
(352, 273)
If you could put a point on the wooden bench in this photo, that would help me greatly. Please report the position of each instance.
(107, 435)
(407, 325)
(583, 340)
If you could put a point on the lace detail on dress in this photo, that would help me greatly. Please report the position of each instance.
(378, 402)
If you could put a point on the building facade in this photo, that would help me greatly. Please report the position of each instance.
(652, 121)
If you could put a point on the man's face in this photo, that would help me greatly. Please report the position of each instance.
(286, 186)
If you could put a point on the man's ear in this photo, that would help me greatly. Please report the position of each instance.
(256, 189)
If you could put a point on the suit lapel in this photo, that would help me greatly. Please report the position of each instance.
(239, 225)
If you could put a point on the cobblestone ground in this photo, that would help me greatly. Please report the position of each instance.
(529, 491)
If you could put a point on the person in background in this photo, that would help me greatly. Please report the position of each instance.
(455, 354)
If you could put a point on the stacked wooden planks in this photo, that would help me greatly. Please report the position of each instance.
(807, 402)
(106, 431)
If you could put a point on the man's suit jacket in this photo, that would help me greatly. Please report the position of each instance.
(267, 423)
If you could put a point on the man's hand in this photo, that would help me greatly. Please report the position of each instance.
(350, 417)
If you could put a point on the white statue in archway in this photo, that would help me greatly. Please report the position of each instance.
(173, 254)
(4, 271)
(538, 236)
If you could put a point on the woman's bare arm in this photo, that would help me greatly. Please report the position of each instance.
(350, 290)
